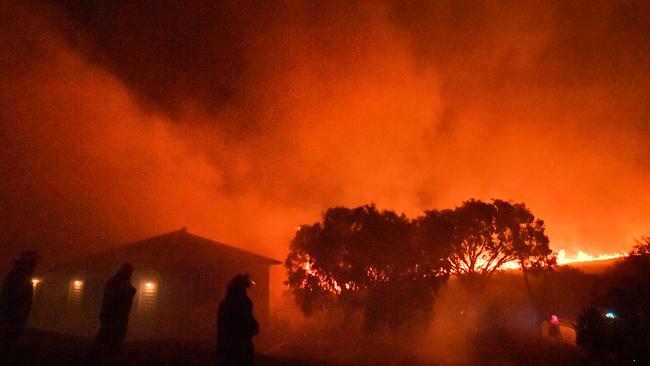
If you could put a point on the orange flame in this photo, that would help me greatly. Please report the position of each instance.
(581, 256)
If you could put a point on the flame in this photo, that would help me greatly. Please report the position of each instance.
(307, 266)
(325, 282)
(562, 258)
(584, 257)
(511, 265)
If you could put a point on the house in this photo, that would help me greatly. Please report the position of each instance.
(180, 279)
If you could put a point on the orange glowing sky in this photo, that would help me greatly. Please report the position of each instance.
(241, 121)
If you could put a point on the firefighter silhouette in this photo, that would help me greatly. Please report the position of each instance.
(114, 315)
(16, 296)
(236, 325)
(554, 327)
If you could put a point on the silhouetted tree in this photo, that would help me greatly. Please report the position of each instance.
(593, 332)
(391, 267)
(618, 322)
(642, 247)
(517, 228)
(365, 259)
(487, 236)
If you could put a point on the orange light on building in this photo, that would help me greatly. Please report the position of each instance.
(35, 282)
(75, 293)
(148, 299)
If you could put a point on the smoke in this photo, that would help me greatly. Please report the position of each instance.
(242, 120)
(84, 165)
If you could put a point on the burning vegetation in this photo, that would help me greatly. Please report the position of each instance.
(119, 120)
(118, 124)
(390, 267)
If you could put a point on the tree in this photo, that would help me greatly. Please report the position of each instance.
(487, 236)
(363, 259)
(391, 267)
(641, 248)
(518, 229)
(618, 321)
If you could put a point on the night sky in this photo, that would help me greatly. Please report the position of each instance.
(241, 120)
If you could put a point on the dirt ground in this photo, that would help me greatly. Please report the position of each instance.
(46, 348)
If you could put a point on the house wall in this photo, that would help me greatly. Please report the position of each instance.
(167, 304)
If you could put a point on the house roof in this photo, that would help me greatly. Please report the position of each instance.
(176, 249)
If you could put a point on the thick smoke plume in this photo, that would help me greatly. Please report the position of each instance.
(242, 120)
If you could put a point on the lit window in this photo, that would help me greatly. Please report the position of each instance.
(148, 297)
(75, 292)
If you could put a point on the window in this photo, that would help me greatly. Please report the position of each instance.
(75, 293)
(35, 282)
(148, 299)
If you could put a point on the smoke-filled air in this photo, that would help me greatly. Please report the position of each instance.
(369, 153)
(241, 121)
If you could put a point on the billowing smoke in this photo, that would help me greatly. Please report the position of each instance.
(242, 120)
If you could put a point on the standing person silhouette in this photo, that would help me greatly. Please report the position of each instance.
(114, 315)
(16, 296)
(236, 325)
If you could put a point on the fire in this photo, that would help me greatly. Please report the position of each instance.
(308, 267)
(326, 282)
(562, 258)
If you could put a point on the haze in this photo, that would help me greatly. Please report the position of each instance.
(122, 121)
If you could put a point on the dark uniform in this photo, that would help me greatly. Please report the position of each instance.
(16, 296)
(114, 315)
(236, 325)
(554, 327)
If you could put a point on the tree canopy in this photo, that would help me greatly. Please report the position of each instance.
(361, 258)
(484, 237)
(617, 324)
(388, 265)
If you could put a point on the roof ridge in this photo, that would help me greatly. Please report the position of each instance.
(171, 240)
(165, 251)
(228, 246)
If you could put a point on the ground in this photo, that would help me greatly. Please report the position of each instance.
(47, 348)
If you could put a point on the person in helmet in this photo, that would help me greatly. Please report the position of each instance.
(236, 325)
(16, 296)
(114, 314)
(554, 327)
